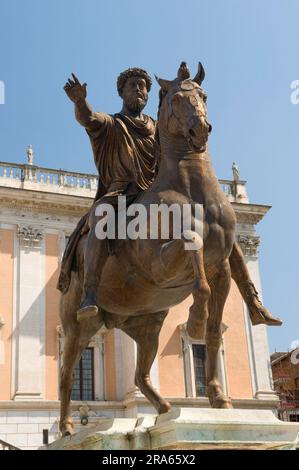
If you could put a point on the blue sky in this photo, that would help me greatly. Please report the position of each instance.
(250, 50)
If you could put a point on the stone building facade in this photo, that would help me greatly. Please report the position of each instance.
(285, 370)
(39, 209)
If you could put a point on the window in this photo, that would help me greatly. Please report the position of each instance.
(199, 362)
(294, 418)
(83, 387)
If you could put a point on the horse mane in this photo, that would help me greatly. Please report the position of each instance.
(162, 95)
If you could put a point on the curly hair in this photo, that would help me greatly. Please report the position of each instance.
(133, 72)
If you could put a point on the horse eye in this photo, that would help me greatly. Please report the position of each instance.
(203, 96)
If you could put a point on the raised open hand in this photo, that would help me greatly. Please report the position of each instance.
(74, 90)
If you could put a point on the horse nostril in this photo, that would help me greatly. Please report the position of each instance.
(192, 133)
(209, 126)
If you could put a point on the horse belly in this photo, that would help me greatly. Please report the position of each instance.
(125, 291)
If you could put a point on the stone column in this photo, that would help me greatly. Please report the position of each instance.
(97, 342)
(29, 314)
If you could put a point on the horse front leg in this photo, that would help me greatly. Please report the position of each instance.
(220, 286)
(146, 334)
(172, 255)
(199, 311)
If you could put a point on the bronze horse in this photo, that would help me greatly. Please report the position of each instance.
(145, 277)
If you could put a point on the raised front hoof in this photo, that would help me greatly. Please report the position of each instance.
(260, 315)
(164, 408)
(67, 428)
(85, 313)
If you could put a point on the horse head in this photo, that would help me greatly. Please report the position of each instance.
(182, 109)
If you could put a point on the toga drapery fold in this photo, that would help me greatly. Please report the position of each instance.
(124, 154)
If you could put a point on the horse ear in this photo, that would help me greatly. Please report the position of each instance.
(199, 77)
(183, 72)
(164, 84)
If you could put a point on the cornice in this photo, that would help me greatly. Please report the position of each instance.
(72, 205)
(41, 202)
(250, 213)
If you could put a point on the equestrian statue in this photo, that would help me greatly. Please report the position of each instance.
(131, 284)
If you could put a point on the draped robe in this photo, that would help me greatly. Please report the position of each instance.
(124, 154)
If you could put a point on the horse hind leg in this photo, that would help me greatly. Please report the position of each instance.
(71, 355)
(220, 286)
(145, 331)
(75, 343)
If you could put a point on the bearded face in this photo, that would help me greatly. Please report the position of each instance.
(135, 94)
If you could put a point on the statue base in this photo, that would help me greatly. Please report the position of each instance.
(187, 428)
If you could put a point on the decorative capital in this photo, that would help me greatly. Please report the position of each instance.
(98, 339)
(29, 236)
(249, 244)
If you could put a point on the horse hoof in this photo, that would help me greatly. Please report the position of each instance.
(85, 313)
(227, 405)
(164, 408)
(67, 428)
(222, 402)
(217, 398)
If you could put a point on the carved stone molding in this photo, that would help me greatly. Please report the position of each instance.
(185, 335)
(249, 244)
(29, 236)
(96, 341)
(44, 207)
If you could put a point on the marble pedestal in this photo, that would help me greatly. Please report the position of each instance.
(186, 428)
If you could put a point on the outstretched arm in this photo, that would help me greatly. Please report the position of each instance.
(84, 114)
